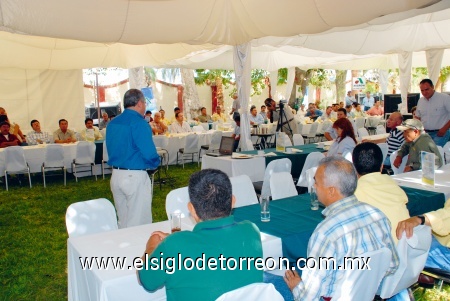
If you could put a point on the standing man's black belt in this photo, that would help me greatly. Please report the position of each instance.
(121, 168)
(431, 131)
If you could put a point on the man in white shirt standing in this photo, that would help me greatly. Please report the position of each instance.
(180, 126)
(433, 109)
(36, 136)
(368, 101)
(350, 98)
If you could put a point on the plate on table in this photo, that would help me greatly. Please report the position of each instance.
(242, 156)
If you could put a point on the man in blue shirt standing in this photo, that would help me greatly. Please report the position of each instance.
(131, 152)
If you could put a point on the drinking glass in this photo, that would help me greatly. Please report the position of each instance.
(264, 201)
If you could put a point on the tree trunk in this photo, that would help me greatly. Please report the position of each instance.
(191, 100)
(340, 85)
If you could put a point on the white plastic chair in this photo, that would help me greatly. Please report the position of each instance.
(412, 253)
(362, 284)
(176, 201)
(446, 157)
(15, 163)
(274, 166)
(384, 149)
(380, 129)
(90, 217)
(54, 160)
(359, 122)
(251, 292)
(401, 168)
(309, 175)
(190, 148)
(312, 132)
(161, 143)
(362, 132)
(312, 160)
(105, 159)
(243, 191)
(282, 186)
(216, 138)
(85, 155)
(298, 139)
(287, 141)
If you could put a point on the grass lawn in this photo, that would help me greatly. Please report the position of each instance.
(33, 258)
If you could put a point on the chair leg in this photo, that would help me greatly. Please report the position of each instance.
(29, 176)
(43, 176)
(65, 172)
(103, 170)
(74, 171)
(6, 180)
(92, 170)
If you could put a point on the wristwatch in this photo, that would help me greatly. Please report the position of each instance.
(422, 219)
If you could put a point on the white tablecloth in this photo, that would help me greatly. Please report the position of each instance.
(119, 285)
(413, 179)
(253, 167)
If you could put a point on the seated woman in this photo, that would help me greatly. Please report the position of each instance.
(346, 141)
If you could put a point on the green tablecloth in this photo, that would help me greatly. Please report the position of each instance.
(293, 221)
(297, 159)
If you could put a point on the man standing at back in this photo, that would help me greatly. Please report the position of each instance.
(433, 109)
(131, 152)
(216, 235)
(350, 229)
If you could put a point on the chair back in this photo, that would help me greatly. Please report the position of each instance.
(412, 253)
(90, 217)
(312, 160)
(287, 141)
(309, 174)
(373, 121)
(176, 201)
(54, 155)
(105, 152)
(282, 186)
(325, 126)
(359, 122)
(198, 129)
(380, 129)
(274, 166)
(401, 168)
(251, 292)
(215, 141)
(243, 191)
(362, 132)
(161, 141)
(446, 157)
(313, 131)
(384, 149)
(85, 153)
(298, 139)
(362, 284)
(15, 159)
(191, 145)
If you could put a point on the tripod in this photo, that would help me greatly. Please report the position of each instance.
(282, 116)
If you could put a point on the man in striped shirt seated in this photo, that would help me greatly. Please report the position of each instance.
(395, 139)
(350, 229)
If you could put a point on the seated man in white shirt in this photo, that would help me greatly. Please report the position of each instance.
(180, 126)
(330, 133)
(89, 123)
(328, 115)
(219, 116)
(358, 112)
(36, 136)
(255, 118)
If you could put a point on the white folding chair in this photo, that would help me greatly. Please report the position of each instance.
(287, 141)
(90, 217)
(362, 132)
(161, 143)
(54, 160)
(15, 163)
(312, 132)
(401, 168)
(412, 253)
(298, 139)
(105, 159)
(380, 129)
(216, 137)
(312, 160)
(176, 201)
(251, 292)
(372, 123)
(359, 122)
(274, 166)
(85, 155)
(309, 175)
(282, 186)
(190, 148)
(362, 284)
(384, 149)
(243, 191)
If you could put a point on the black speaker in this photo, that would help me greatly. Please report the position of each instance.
(391, 102)
(413, 99)
(91, 112)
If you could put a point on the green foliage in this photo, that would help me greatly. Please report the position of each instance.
(33, 237)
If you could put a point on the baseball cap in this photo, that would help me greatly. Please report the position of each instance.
(413, 124)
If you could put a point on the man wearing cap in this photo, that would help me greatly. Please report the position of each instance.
(433, 109)
(416, 141)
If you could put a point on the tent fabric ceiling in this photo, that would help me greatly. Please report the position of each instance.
(62, 35)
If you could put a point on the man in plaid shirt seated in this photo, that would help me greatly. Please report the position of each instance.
(36, 136)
